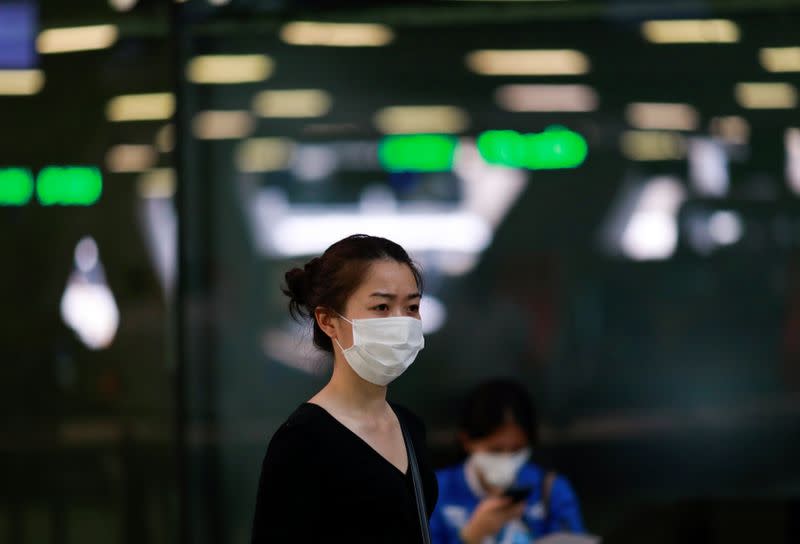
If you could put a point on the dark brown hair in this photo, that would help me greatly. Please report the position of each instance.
(492, 403)
(328, 280)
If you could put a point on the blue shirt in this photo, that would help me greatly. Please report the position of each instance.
(457, 501)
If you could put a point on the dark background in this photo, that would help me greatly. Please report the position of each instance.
(667, 389)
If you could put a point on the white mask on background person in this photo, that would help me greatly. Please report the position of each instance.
(383, 347)
(500, 469)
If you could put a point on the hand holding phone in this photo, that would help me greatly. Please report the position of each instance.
(518, 493)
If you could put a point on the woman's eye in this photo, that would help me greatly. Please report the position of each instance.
(381, 307)
(414, 308)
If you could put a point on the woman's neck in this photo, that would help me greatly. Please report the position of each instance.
(350, 393)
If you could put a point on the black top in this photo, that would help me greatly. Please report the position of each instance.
(320, 482)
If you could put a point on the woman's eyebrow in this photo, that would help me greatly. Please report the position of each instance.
(391, 296)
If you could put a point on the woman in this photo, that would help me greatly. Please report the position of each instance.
(338, 470)
(498, 495)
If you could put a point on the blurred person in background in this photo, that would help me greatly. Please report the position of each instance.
(339, 468)
(498, 495)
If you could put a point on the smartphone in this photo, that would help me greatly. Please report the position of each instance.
(518, 493)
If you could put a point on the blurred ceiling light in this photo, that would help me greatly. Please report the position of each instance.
(433, 314)
(651, 232)
(336, 34)
(294, 103)
(87, 305)
(225, 69)
(780, 59)
(312, 163)
(691, 31)
(130, 158)
(311, 233)
(766, 95)
(122, 5)
(263, 154)
(667, 116)
(533, 62)
(731, 128)
(219, 2)
(157, 183)
(791, 140)
(725, 227)
(165, 138)
(141, 107)
(708, 167)
(21, 82)
(421, 119)
(523, 98)
(640, 145)
(222, 124)
(79, 38)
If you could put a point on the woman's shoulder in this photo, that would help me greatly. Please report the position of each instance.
(295, 434)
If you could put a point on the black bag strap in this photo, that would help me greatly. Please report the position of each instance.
(548, 480)
(415, 476)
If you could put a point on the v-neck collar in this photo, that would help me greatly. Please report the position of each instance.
(367, 444)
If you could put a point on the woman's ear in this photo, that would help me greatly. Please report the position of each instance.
(326, 318)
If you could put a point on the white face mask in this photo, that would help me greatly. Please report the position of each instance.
(383, 347)
(500, 469)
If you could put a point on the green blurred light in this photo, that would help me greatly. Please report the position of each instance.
(555, 148)
(417, 153)
(69, 185)
(16, 186)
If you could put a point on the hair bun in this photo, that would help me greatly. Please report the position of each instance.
(297, 290)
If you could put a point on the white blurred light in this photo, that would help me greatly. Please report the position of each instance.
(791, 140)
(780, 59)
(433, 313)
(421, 119)
(725, 227)
(651, 232)
(122, 5)
(21, 82)
(159, 221)
(336, 34)
(541, 62)
(488, 190)
(157, 183)
(377, 198)
(292, 103)
(312, 233)
(313, 162)
(708, 167)
(130, 158)
(219, 2)
(650, 235)
(86, 254)
(667, 116)
(641, 145)
(228, 69)
(291, 346)
(87, 305)
(141, 107)
(263, 154)
(733, 129)
(544, 97)
(766, 95)
(691, 31)
(79, 38)
(222, 124)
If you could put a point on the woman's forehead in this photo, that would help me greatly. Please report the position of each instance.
(389, 275)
